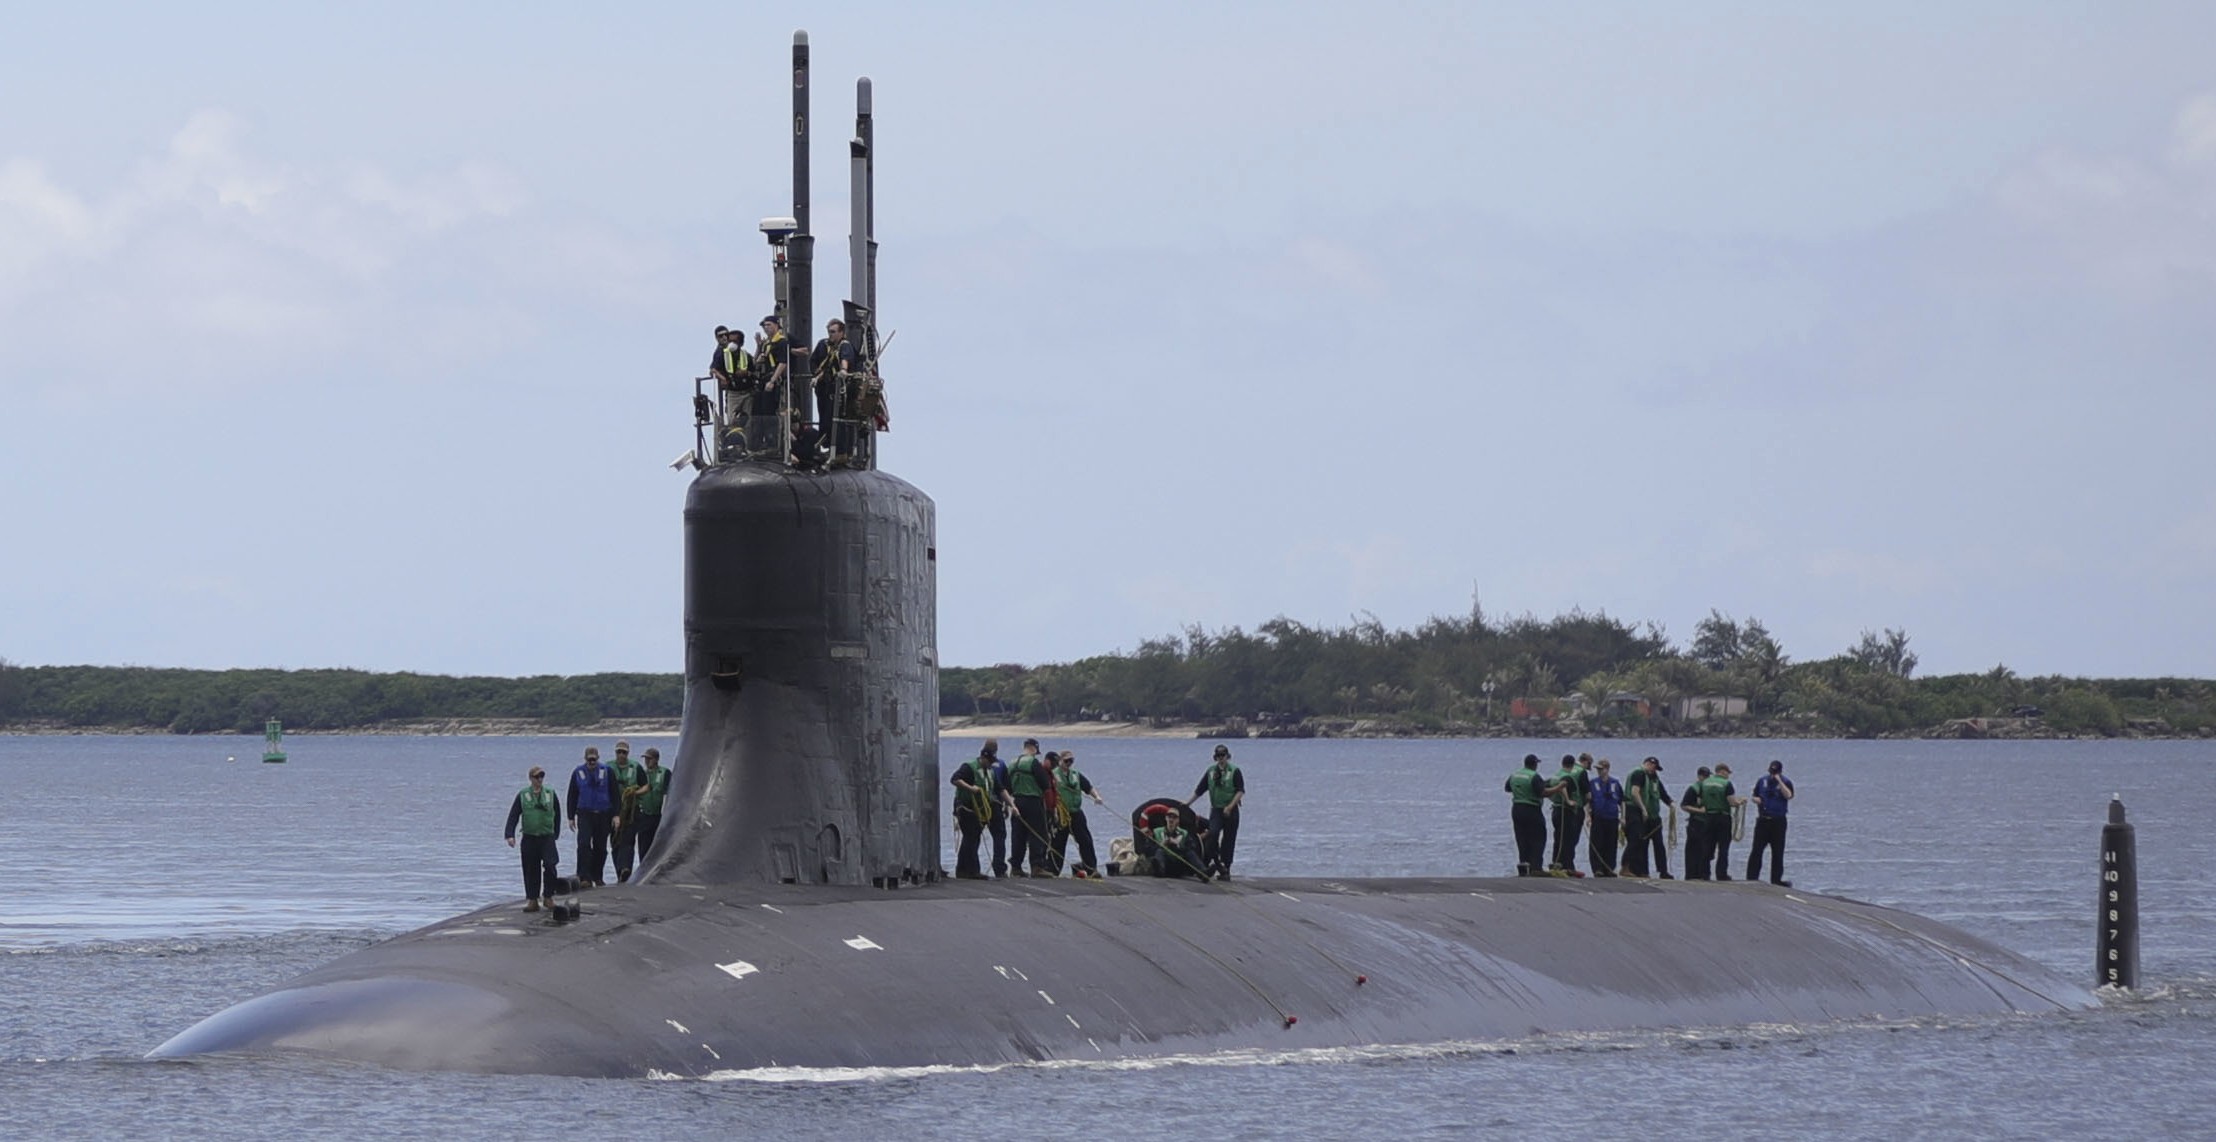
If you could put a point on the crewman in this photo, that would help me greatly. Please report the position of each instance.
(772, 369)
(1700, 856)
(1773, 794)
(539, 811)
(1176, 850)
(733, 369)
(1071, 788)
(1528, 791)
(1717, 799)
(973, 806)
(1025, 798)
(1225, 787)
(997, 821)
(592, 808)
(626, 774)
(830, 362)
(647, 797)
(1608, 799)
(1644, 797)
(1570, 788)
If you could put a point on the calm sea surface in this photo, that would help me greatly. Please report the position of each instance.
(153, 881)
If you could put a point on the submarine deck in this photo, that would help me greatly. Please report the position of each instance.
(690, 980)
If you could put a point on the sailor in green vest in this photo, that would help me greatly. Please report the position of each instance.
(1569, 790)
(647, 796)
(1644, 797)
(1700, 859)
(1176, 849)
(1717, 799)
(1026, 802)
(973, 807)
(539, 811)
(1226, 790)
(626, 774)
(1527, 791)
(1070, 789)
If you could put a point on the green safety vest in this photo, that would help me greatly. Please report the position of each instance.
(1220, 787)
(979, 774)
(627, 775)
(735, 362)
(1071, 791)
(538, 812)
(656, 781)
(1646, 793)
(1023, 777)
(1568, 794)
(1162, 837)
(1712, 795)
(1524, 783)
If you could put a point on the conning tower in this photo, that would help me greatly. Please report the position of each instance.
(809, 753)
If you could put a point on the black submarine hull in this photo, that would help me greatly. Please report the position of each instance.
(686, 980)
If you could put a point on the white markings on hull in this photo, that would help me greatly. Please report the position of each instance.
(774, 908)
(1073, 1021)
(864, 944)
(1049, 999)
(681, 1028)
(738, 969)
(711, 1051)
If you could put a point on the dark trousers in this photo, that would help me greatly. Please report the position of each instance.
(592, 843)
(1084, 834)
(965, 852)
(1700, 850)
(1531, 839)
(539, 857)
(647, 826)
(1185, 860)
(1601, 850)
(1222, 842)
(1645, 834)
(1719, 838)
(1769, 833)
(998, 826)
(1029, 829)
(1569, 824)
(626, 849)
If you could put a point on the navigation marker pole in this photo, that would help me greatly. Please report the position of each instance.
(2116, 927)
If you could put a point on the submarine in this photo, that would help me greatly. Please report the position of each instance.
(794, 915)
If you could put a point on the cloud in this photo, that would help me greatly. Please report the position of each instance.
(240, 266)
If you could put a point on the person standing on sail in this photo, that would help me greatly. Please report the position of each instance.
(539, 811)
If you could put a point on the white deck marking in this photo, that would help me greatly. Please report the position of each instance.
(1290, 896)
(681, 1028)
(1073, 1020)
(863, 944)
(1048, 998)
(739, 969)
(712, 1051)
(774, 908)
(1003, 971)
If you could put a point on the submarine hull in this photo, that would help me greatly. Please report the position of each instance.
(687, 980)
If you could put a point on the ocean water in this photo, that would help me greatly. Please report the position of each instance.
(153, 881)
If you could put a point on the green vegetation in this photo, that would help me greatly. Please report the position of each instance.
(1450, 675)
(1468, 675)
(213, 701)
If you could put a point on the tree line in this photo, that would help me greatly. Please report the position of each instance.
(1447, 675)
(1469, 673)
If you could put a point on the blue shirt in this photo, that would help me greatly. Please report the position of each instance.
(1769, 794)
(1608, 797)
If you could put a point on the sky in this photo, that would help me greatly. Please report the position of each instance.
(364, 337)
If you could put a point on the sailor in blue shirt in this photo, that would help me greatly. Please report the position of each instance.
(1773, 794)
(1607, 806)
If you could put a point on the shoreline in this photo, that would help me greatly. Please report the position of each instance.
(967, 728)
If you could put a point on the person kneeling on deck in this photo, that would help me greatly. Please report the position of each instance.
(1176, 849)
(539, 811)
